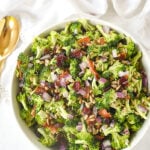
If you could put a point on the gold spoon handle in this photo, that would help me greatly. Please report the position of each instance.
(2, 63)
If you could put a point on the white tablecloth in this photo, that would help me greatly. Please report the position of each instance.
(35, 15)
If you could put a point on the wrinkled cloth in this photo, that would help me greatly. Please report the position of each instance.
(36, 15)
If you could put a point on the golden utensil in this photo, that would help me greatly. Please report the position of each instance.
(9, 36)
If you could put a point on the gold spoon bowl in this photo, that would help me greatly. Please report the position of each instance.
(9, 36)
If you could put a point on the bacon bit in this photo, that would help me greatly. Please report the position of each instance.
(63, 79)
(77, 53)
(92, 68)
(104, 113)
(85, 92)
(122, 56)
(52, 128)
(39, 90)
(84, 41)
(128, 97)
(101, 41)
(46, 51)
(60, 60)
(77, 86)
(33, 111)
(99, 137)
(124, 80)
(86, 111)
(64, 74)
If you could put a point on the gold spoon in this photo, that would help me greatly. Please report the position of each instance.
(9, 36)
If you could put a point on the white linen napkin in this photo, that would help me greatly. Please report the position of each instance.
(35, 15)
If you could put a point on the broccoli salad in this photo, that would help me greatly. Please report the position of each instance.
(83, 88)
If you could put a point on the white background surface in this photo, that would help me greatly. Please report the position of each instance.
(35, 15)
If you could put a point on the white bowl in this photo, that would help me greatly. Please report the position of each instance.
(31, 136)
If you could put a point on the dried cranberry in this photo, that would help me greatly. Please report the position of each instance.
(123, 80)
(77, 86)
(86, 110)
(39, 90)
(61, 58)
(122, 56)
(77, 54)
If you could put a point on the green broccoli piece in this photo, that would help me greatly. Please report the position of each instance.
(130, 47)
(112, 37)
(119, 141)
(120, 116)
(93, 35)
(53, 37)
(136, 58)
(136, 127)
(86, 139)
(115, 68)
(73, 67)
(36, 101)
(46, 138)
(39, 45)
(106, 100)
(27, 117)
(140, 109)
(133, 119)
(122, 110)
(97, 90)
(30, 77)
(82, 138)
(110, 130)
(23, 61)
(87, 75)
(41, 117)
(45, 74)
(21, 97)
(58, 108)
(73, 100)
(75, 28)
(135, 86)
(86, 25)
(101, 66)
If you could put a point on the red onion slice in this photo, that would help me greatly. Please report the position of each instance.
(79, 127)
(83, 65)
(82, 92)
(102, 80)
(142, 109)
(106, 144)
(120, 95)
(46, 96)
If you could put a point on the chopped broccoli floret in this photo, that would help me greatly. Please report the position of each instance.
(119, 141)
(23, 100)
(115, 68)
(107, 99)
(87, 26)
(27, 117)
(41, 117)
(76, 28)
(39, 45)
(110, 130)
(46, 138)
(37, 101)
(112, 37)
(73, 67)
